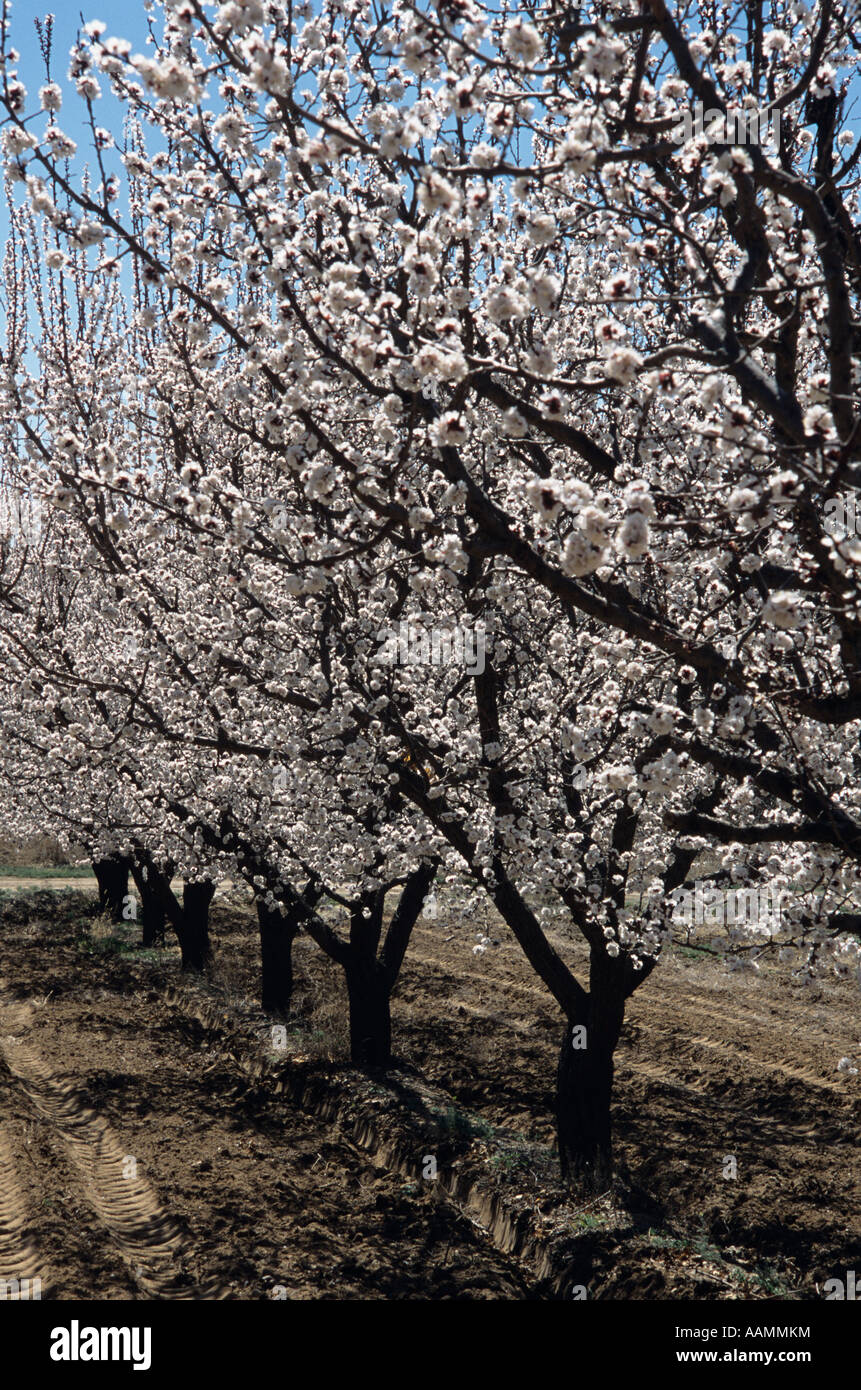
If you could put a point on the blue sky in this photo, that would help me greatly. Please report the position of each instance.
(125, 18)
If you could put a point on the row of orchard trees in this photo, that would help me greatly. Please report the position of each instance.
(423, 318)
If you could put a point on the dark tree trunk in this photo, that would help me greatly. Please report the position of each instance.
(370, 980)
(584, 1082)
(112, 877)
(368, 992)
(153, 916)
(191, 920)
(193, 932)
(153, 921)
(278, 931)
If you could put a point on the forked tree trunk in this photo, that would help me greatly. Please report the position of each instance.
(191, 920)
(278, 931)
(371, 978)
(112, 877)
(584, 1083)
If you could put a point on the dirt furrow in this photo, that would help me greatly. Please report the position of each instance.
(696, 1013)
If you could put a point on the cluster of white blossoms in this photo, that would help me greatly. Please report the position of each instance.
(587, 544)
(784, 609)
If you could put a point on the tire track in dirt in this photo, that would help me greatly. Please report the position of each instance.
(19, 1259)
(125, 1202)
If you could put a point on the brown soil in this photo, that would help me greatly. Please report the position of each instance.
(150, 1145)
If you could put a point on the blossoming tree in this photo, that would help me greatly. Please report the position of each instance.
(450, 317)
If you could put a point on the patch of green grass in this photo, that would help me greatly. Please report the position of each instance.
(691, 952)
(108, 946)
(762, 1278)
(511, 1165)
(766, 1279)
(459, 1125)
(592, 1220)
(692, 1245)
(37, 871)
(98, 939)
